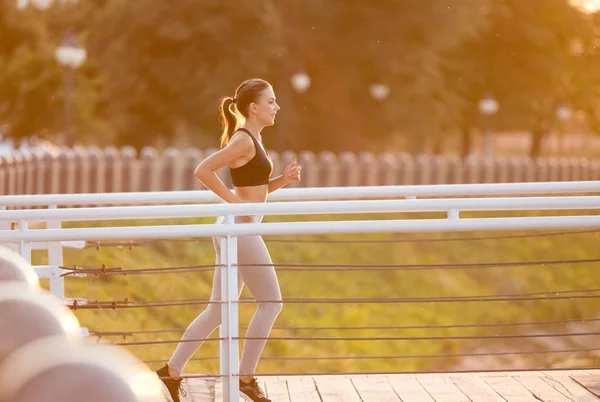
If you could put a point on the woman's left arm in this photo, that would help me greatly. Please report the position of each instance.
(276, 183)
(291, 174)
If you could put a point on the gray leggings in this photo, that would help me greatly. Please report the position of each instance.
(263, 285)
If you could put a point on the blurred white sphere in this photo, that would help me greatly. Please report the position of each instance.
(14, 267)
(73, 372)
(379, 91)
(564, 112)
(488, 105)
(70, 56)
(41, 4)
(26, 316)
(300, 82)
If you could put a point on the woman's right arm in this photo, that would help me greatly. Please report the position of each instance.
(238, 147)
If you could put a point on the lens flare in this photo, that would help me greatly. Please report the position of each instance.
(70, 324)
(145, 385)
(588, 6)
(33, 279)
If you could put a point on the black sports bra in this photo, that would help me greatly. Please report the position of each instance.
(256, 171)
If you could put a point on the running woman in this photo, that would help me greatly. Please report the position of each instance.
(243, 116)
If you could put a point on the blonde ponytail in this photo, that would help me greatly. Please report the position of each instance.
(229, 120)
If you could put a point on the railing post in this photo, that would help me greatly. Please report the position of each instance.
(453, 214)
(6, 226)
(55, 258)
(24, 246)
(229, 316)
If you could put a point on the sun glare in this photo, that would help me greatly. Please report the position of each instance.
(588, 6)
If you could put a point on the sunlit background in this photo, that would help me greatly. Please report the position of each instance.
(456, 78)
(123, 95)
(589, 6)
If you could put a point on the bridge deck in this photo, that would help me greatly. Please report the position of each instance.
(522, 386)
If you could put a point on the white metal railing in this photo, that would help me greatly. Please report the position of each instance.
(53, 201)
(306, 194)
(305, 208)
(26, 238)
(53, 216)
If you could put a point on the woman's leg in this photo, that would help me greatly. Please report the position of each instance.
(204, 324)
(262, 283)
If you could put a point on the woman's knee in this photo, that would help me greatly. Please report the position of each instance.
(273, 308)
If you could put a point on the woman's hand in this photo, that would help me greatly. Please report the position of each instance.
(292, 173)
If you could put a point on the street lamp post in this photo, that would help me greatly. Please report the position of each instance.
(300, 83)
(488, 106)
(564, 114)
(71, 57)
(68, 55)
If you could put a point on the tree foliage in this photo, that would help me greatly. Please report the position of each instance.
(166, 63)
(524, 60)
(157, 69)
(31, 81)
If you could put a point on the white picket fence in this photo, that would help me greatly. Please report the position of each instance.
(96, 170)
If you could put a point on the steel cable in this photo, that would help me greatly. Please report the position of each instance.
(451, 355)
(371, 339)
(526, 296)
(75, 270)
(141, 243)
(367, 328)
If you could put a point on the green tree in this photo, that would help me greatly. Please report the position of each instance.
(31, 83)
(166, 63)
(345, 46)
(584, 80)
(159, 67)
(524, 60)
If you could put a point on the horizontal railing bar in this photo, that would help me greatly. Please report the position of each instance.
(305, 194)
(304, 208)
(312, 227)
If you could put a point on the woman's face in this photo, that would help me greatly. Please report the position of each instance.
(266, 107)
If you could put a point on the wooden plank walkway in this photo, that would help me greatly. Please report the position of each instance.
(522, 386)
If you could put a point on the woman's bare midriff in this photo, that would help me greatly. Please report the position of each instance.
(253, 194)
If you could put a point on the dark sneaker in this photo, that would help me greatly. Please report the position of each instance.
(252, 392)
(173, 385)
